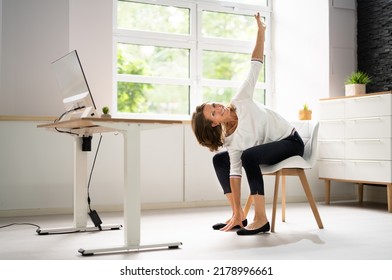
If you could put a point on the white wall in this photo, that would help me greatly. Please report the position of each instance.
(34, 170)
(343, 43)
(90, 33)
(1, 43)
(34, 33)
(300, 55)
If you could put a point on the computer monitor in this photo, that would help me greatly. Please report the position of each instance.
(76, 94)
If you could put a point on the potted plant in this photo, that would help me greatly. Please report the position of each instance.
(305, 113)
(356, 83)
(105, 111)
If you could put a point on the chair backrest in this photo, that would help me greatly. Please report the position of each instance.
(308, 130)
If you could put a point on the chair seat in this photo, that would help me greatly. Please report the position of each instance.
(291, 162)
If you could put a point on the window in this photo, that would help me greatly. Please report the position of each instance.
(172, 55)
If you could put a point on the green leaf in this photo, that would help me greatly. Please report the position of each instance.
(358, 77)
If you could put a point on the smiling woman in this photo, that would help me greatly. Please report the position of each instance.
(217, 113)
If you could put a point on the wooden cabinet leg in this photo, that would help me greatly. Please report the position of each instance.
(360, 192)
(389, 197)
(283, 198)
(327, 191)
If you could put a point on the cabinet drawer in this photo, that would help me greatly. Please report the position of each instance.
(369, 149)
(374, 171)
(369, 127)
(332, 129)
(331, 169)
(331, 109)
(368, 106)
(331, 149)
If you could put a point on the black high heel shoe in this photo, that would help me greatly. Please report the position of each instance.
(222, 225)
(263, 229)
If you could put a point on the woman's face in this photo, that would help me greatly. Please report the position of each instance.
(216, 113)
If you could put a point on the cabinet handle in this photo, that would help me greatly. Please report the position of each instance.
(366, 119)
(366, 162)
(366, 98)
(365, 140)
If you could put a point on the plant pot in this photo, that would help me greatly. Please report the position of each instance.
(106, 116)
(305, 115)
(355, 89)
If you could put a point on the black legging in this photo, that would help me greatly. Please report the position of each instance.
(269, 153)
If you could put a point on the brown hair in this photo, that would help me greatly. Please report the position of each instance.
(207, 135)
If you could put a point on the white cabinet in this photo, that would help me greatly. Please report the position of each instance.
(355, 140)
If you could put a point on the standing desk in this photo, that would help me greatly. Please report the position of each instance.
(131, 130)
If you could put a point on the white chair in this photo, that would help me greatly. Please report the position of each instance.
(294, 166)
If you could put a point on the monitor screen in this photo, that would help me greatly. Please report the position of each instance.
(75, 92)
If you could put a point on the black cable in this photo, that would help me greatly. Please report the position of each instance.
(69, 111)
(93, 214)
(64, 131)
(21, 224)
(65, 113)
(37, 226)
(91, 172)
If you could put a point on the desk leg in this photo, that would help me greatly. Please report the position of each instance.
(132, 203)
(80, 183)
(79, 196)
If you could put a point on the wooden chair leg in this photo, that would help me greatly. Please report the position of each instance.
(283, 198)
(305, 184)
(248, 203)
(275, 201)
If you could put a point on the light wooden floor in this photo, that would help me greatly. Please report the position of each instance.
(352, 231)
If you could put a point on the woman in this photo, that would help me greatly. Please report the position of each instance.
(252, 135)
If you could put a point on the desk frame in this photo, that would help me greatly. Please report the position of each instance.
(131, 130)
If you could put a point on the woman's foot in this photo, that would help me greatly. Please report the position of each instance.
(257, 226)
(252, 229)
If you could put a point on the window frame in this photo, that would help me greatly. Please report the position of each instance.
(196, 44)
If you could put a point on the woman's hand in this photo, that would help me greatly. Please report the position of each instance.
(258, 51)
(260, 24)
(234, 221)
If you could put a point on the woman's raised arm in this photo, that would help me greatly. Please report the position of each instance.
(258, 51)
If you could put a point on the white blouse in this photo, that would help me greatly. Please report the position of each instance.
(257, 124)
